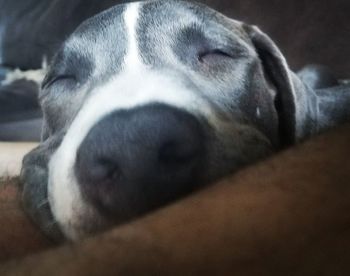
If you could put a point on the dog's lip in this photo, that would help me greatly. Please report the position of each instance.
(42, 216)
(34, 188)
(39, 209)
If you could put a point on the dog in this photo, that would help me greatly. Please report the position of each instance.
(149, 101)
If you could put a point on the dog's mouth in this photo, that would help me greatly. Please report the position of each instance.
(34, 179)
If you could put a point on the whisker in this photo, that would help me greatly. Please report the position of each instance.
(43, 203)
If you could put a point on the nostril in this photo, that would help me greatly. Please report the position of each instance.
(101, 178)
(177, 153)
(108, 170)
(92, 169)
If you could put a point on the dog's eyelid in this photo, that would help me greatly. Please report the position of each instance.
(213, 52)
(51, 80)
(221, 52)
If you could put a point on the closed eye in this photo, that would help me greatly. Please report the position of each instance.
(50, 80)
(213, 53)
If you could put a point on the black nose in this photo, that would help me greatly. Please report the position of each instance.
(136, 160)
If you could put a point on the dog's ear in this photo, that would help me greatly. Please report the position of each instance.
(278, 73)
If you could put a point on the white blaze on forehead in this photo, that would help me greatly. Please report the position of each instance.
(131, 15)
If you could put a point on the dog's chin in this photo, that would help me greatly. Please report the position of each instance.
(36, 203)
(84, 221)
(84, 226)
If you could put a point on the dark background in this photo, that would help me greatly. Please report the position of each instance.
(307, 31)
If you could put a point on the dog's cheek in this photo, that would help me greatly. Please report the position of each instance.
(34, 181)
(52, 107)
(58, 112)
(235, 147)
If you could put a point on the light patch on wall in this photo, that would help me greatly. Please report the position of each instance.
(258, 113)
(36, 76)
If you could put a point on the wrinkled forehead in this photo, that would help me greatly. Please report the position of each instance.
(169, 17)
(158, 27)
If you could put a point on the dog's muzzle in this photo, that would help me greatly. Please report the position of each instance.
(135, 160)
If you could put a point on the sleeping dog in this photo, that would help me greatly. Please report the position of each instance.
(148, 101)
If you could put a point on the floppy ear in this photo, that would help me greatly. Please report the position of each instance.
(278, 73)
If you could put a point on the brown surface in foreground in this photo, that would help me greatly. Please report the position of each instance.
(286, 216)
(18, 236)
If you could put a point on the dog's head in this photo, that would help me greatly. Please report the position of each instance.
(146, 102)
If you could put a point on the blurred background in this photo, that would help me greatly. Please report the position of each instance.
(307, 31)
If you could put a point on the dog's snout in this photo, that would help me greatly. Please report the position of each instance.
(136, 160)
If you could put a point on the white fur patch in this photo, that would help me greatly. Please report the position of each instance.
(132, 58)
